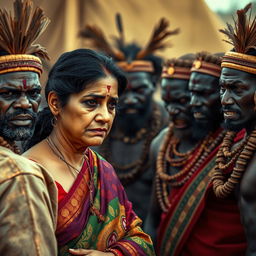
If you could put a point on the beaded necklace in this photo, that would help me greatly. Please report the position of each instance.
(131, 140)
(74, 171)
(128, 173)
(195, 158)
(239, 157)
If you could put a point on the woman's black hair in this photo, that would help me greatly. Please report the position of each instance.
(72, 72)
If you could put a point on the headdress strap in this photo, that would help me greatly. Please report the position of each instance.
(239, 61)
(136, 66)
(176, 72)
(206, 68)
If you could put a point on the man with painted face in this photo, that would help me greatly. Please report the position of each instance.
(181, 226)
(177, 142)
(234, 180)
(140, 118)
(27, 191)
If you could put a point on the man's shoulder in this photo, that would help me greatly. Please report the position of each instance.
(12, 165)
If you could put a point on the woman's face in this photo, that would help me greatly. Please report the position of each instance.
(88, 116)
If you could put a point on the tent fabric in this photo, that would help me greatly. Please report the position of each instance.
(199, 26)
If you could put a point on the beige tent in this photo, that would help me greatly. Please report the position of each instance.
(199, 26)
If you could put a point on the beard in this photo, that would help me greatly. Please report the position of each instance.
(16, 133)
(234, 127)
(131, 123)
(200, 130)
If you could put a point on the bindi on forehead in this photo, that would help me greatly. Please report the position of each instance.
(24, 82)
(108, 89)
(129, 86)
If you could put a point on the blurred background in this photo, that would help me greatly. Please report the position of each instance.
(198, 20)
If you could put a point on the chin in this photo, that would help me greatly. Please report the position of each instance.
(96, 142)
(17, 133)
(231, 126)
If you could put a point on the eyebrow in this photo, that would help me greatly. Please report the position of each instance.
(9, 88)
(230, 83)
(99, 96)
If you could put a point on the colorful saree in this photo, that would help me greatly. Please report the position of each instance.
(120, 230)
(198, 223)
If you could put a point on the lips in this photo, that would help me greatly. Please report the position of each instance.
(180, 123)
(131, 111)
(22, 120)
(198, 115)
(98, 131)
(230, 115)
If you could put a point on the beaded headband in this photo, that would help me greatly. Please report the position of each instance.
(239, 61)
(136, 66)
(206, 68)
(176, 72)
(18, 33)
(20, 62)
(242, 36)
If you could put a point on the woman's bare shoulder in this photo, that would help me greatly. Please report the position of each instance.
(38, 153)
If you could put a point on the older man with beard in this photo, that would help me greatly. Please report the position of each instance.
(19, 100)
(234, 180)
(27, 191)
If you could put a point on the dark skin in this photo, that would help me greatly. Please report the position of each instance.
(238, 101)
(176, 97)
(134, 113)
(205, 101)
(19, 101)
(136, 102)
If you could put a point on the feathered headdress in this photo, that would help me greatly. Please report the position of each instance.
(136, 62)
(243, 37)
(17, 37)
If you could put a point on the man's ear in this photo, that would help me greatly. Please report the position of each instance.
(53, 103)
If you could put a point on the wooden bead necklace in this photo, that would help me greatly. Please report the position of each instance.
(239, 157)
(128, 173)
(131, 140)
(196, 158)
(170, 150)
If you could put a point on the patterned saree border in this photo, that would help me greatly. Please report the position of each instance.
(186, 210)
(129, 248)
(73, 206)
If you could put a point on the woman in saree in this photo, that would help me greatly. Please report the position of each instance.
(94, 214)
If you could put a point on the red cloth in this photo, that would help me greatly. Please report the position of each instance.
(218, 230)
(61, 192)
(215, 228)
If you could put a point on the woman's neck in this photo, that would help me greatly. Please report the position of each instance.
(66, 148)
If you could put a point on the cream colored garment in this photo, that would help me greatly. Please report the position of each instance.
(28, 207)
